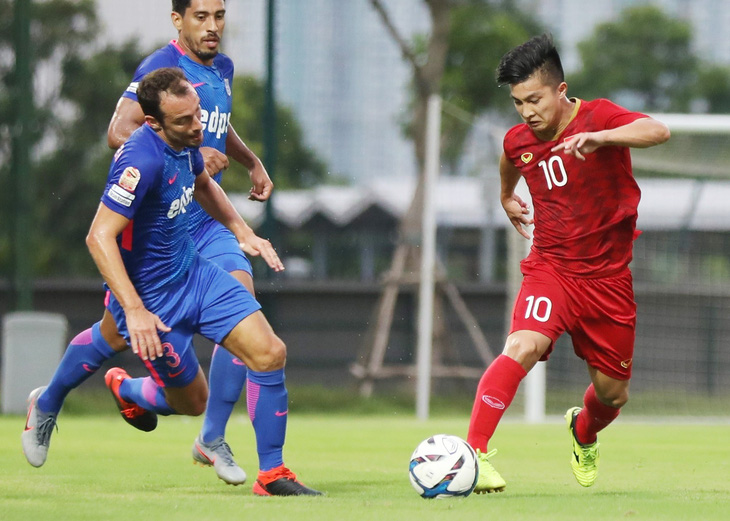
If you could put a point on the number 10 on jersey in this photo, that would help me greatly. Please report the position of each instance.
(549, 169)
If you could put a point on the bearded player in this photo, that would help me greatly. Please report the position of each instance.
(574, 156)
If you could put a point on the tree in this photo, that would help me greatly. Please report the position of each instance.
(456, 60)
(713, 86)
(72, 176)
(297, 165)
(481, 33)
(643, 60)
(58, 28)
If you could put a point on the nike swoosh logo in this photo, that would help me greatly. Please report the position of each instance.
(196, 85)
(172, 179)
(173, 375)
(277, 413)
(236, 361)
(27, 418)
(87, 368)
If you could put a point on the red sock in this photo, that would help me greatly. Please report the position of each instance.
(495, 393)
(595, 416)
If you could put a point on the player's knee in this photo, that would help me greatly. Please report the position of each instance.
(271, 358)
(617, 397)
(523, 350)
(118, 344)
(191, 402)
(619, 400)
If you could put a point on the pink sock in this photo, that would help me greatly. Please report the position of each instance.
(594, 417)
(496, 390)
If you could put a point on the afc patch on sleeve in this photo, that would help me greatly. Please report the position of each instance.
(121, 196)
(130, 179)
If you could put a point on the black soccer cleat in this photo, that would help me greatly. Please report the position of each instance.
(281, 481)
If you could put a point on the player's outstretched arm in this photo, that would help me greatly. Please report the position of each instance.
(102, 243)
(127, 118)
(517, 210)
(215, 201)
(642, 133)
(237, 149)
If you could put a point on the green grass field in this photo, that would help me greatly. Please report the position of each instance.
(100, 468)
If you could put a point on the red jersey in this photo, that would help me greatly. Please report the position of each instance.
(585, 211)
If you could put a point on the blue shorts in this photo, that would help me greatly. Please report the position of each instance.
(217, 244)
(206, 300)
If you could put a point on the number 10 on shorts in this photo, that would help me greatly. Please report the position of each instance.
(539, 308)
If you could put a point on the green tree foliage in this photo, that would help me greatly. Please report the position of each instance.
(58, 28)
(297, 165)
(482, 31)
(70, 155)
(643, 60)
(713, 87)
(71, 178)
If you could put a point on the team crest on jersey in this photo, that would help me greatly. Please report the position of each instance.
(526, 157)
(228, 86)
(130, 179)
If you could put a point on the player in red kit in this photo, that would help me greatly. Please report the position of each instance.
(574, 156)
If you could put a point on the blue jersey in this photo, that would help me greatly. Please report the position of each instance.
(152, 184)
(213, 85)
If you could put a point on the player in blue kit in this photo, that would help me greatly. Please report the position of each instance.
(200, 25)
(163, 291)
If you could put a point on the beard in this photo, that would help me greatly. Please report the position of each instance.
(205, 55)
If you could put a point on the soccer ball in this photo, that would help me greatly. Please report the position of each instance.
(443, 466)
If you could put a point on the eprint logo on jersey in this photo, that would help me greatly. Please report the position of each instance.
(178, 205)
(526, 157)
(130, 179)
(215, 122)
(626, 363)
(493, 402)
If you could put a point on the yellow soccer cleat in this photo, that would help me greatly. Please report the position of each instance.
(584, 459)
(489, 479)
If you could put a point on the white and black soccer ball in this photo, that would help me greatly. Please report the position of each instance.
(443, 466)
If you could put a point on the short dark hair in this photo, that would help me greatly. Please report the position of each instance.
(180, 6)
(538, 54)
(168, 79)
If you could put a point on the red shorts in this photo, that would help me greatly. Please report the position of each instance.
(599, 314)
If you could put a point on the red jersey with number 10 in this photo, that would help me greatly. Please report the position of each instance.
(585, 211)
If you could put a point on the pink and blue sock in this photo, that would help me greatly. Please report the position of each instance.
(268, 407)
(225, 381)
(83, 357)
(147, 394)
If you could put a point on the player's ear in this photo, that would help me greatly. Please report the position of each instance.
(562, 90)
(176, 20)
(153, 123)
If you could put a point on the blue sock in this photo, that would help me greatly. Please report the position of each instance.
(268, 406)
(83, 356)
(225, 382)
(147, 394)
